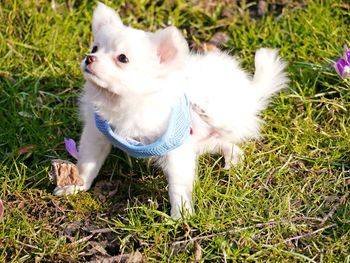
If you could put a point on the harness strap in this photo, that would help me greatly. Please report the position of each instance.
(178, 131)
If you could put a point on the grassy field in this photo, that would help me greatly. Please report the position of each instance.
(287, 202)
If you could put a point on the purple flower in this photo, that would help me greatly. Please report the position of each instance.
(342, 65)
(71, 147)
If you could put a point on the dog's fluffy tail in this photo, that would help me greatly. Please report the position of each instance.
(270, 75)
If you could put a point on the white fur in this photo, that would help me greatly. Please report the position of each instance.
(137, 99)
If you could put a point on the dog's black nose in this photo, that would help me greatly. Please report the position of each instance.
(89, 59)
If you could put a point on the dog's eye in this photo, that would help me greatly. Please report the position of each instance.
(94, 49)
(122, 58)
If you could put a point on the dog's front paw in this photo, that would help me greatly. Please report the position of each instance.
(68, 190)
(184, 210)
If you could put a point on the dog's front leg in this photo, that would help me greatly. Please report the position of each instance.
(179, 166)
(93, 150)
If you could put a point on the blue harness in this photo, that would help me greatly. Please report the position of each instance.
(176, 134)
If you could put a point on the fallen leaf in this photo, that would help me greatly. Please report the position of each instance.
(26, 149)
(98, 247)
(263, 7)
(20, 205)
(1, 210)
(71, 228)
(213, 45)
(197, 252)
(65, 173)
(219, 39)
(25, 114)
(106, 189)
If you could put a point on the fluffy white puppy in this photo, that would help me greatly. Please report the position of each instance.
(134, 80)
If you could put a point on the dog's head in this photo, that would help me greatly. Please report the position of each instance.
(124, 59)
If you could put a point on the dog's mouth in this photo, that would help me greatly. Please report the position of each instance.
(87, 70)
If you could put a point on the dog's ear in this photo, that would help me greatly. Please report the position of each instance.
(171, 46)
(104, 15)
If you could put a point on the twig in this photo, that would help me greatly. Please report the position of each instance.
(239, 229)
(101, 230)
(224, 233)
(331, 213)
(289, 252)
(309, 234)
(82, 240)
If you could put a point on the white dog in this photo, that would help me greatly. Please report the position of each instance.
(136, 81)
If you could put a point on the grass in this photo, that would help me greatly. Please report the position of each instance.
(287, 202)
